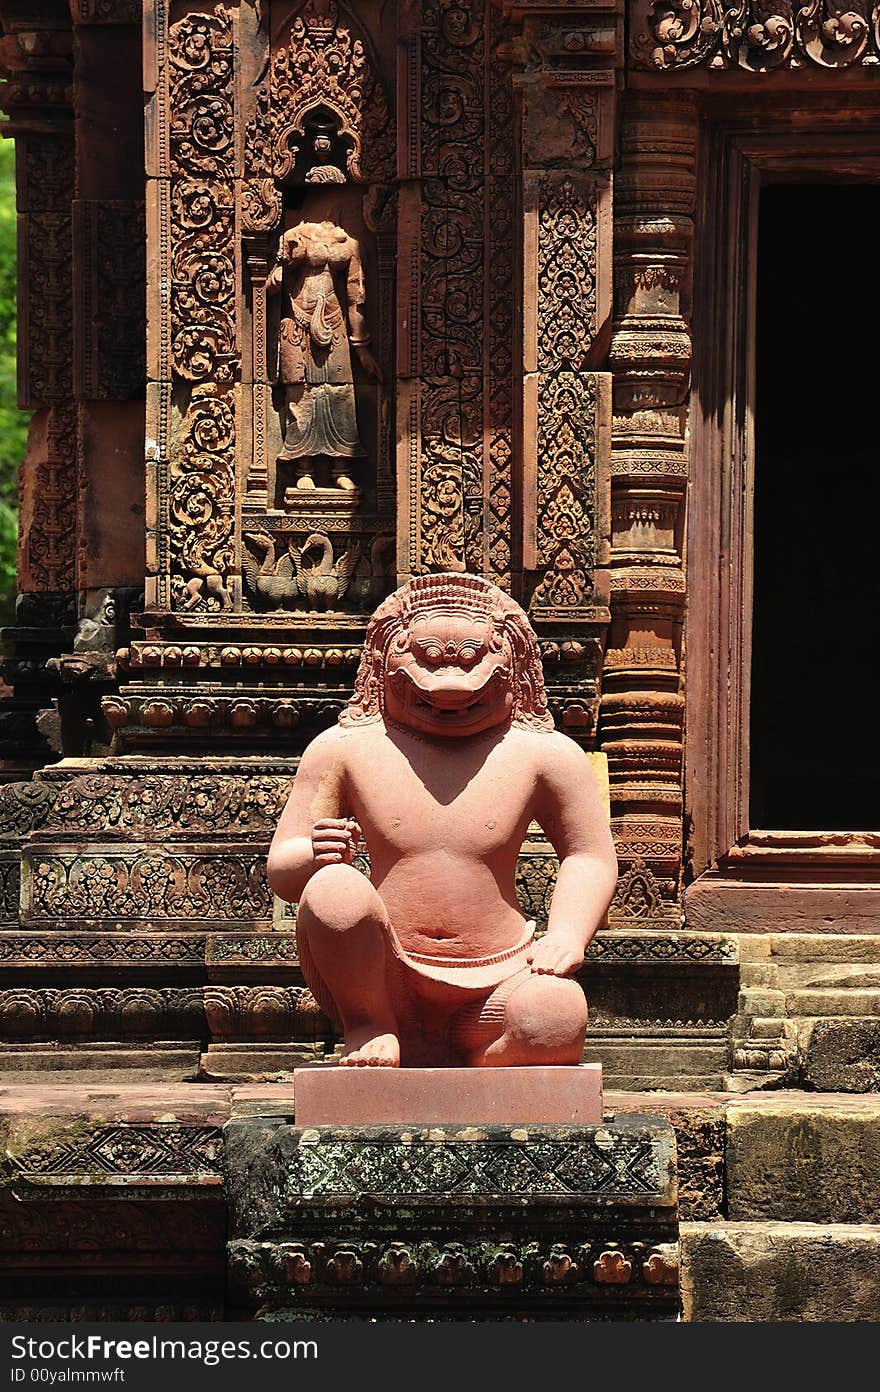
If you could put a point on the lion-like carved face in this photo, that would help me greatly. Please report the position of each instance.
(449, 675)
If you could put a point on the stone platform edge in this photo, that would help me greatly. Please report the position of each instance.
(333, 1095)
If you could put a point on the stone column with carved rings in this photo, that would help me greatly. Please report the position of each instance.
(642, 707)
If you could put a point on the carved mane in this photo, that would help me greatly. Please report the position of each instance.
(474, 596)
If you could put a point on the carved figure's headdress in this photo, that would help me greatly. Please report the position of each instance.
(450, 593)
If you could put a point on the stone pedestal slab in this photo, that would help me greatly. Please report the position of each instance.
(446, 1221)
(330, 1095)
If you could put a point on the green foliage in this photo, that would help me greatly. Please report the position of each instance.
(13, 423)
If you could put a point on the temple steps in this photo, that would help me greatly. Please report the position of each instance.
(772, 1272)
(778, 1194)
(828, 1002)
(645, 1059)
(779, 1202)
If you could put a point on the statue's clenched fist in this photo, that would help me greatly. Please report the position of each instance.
(335, 840)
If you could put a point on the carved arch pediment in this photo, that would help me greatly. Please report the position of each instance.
(321, 60)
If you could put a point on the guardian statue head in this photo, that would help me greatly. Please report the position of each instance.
(448, 656)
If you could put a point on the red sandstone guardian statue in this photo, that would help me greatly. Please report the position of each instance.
(444, 755)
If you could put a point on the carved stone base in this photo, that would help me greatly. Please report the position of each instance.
(111, 1202)
(422, 1096)
(576, 1222)
(344, 501)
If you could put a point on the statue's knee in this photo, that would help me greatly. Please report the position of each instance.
(337, 897)
(549, 1013)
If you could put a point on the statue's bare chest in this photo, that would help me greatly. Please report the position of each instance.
(469, 807)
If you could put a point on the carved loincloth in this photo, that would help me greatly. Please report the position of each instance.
(413, 973)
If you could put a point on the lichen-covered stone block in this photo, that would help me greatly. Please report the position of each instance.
(476, 1222)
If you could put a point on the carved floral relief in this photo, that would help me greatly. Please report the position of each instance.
(203, 285)
(757, 37)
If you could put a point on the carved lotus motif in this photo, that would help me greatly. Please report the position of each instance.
(612, 1269)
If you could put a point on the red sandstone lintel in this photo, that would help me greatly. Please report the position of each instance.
(326, 1095)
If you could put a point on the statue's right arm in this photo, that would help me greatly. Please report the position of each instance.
(313, 819)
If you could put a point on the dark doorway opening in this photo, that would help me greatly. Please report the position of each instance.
(815, 688)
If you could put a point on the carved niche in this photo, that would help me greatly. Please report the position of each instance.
(318, 213)
(273, 416)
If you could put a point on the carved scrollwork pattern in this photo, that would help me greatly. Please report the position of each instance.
(153, 884)
(566, 445)
(202, 500)
(261, 205)
(500, 184)
(24, 807)
(567, 395)
(164, 805)
(566, 275)
(47, 559)
(758, 37)
(202, 200)
(452, 474)
(466, 151)
(203, 290)
(325, 64)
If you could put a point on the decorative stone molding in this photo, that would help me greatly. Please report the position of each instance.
(677, 35)
(281, 1013)
(423, 1198)
(149, 884)
(326, 63)
(82, 1014)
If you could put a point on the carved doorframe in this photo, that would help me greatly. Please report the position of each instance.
(744, 878)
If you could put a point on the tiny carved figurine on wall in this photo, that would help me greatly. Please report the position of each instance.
(319, 271)
(441, 760)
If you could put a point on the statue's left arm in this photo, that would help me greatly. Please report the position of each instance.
(571, 812)
(358, 333)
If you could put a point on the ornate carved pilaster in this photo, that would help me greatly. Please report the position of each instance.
(235, 552)
(456, 292)
(642, 706)
(566, 85)
(257, 256)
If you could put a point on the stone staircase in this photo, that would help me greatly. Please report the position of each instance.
(780, 1204)
(809, 1013)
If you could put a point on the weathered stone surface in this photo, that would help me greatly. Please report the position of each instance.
(768, 1272)
(699, 1139)
(631, 1159)
(111, 1202)
(843, 1055)
(698, 1121)
(56, 1136)
(643, 1056)
(257, 1063)
(792, 1161)
(479, 1219)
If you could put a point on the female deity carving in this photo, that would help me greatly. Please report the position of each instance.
(319, 270)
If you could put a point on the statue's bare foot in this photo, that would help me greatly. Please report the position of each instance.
(366, 1048)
